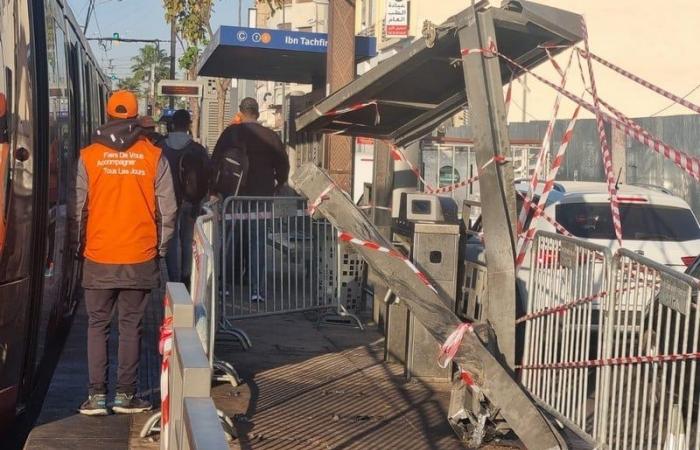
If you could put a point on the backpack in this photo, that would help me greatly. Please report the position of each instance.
(230, 171)
(192, 174)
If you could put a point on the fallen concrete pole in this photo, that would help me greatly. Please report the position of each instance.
(435, 313)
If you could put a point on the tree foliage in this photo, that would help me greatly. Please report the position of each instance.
(192, 18)
(148, 56)
(189, 59)
(129, 84)
(274, 5)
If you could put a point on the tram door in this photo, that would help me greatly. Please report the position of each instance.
(60, 165)
(17, 185)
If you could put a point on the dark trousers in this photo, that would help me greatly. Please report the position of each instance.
(100, 305)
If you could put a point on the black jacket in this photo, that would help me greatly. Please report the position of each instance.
(268, 162)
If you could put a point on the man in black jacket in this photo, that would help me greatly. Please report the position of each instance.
(184, 155)
(268, 170)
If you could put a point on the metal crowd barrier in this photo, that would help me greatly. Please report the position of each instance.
(568, 283)
(204, 294)
(201, 425)
(186, 372)
(610, 345)
(277, 259)
(652, 391)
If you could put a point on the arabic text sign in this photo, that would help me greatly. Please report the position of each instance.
(396, 18)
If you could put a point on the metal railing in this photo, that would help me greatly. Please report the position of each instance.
(277, 259)
(186, 372)
(201, 425)
(610, 345)
(568, 282)
(204, 293)
(186, 420)
(652, 393)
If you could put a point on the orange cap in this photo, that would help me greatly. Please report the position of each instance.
(123, 105)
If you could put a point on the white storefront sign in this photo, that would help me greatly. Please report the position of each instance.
(396, 20)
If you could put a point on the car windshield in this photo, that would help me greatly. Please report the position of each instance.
(640, 222)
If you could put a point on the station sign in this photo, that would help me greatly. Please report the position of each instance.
(396, 19)
(285, 40)
(180, 88)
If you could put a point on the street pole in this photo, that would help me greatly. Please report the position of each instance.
(153, 80)
(340, 70)
(524, 98)
(240, 13)
(173, 36)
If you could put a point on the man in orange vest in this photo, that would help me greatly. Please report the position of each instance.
(124, 214)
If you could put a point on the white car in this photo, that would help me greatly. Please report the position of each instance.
(655, 223)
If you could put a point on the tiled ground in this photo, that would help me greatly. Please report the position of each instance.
(324, 388)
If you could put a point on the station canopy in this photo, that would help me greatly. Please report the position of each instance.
(410, 94)
(272, 55)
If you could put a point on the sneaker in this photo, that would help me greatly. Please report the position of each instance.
(130, 404)
(95, 405)
(257, 297)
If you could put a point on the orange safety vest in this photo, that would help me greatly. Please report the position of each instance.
(121, 202)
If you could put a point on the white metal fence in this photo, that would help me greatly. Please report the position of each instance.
(610, 345)
(204, 293)
(277, 259)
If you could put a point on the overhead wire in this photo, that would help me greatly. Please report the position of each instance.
(675, 103)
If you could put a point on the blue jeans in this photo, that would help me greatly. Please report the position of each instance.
(179, 257)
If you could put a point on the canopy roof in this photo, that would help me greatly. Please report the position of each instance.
(408, 95)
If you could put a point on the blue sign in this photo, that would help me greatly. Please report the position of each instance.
(365, 47)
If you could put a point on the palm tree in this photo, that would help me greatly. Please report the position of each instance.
(129, 84)
(150, 58)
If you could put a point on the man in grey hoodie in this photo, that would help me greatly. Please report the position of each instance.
(189, 163)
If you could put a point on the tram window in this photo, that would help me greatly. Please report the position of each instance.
(88, 100)
(102, 104)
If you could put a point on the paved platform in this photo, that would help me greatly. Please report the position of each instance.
(59, 426)
(325, 388)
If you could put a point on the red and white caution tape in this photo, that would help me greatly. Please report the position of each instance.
(323, 196)
(561, 309)
(490, 51)
(542, 155)
(165, 346)
(607, 157)
(540, 211)
(349, 238)
(680, 100)
(356, 107)
(684, 161)
(398, 155)
(526, 236)
(688, 163)
(621, 361)
(500, 159)
(449, 349)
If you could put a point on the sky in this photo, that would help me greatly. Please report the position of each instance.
(653, 39)
(140, 19)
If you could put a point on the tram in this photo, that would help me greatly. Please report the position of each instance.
(52, 96)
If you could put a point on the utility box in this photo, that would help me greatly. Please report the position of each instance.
(435, 252)
(428, 227)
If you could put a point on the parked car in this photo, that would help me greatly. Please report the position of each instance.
(655, 223)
